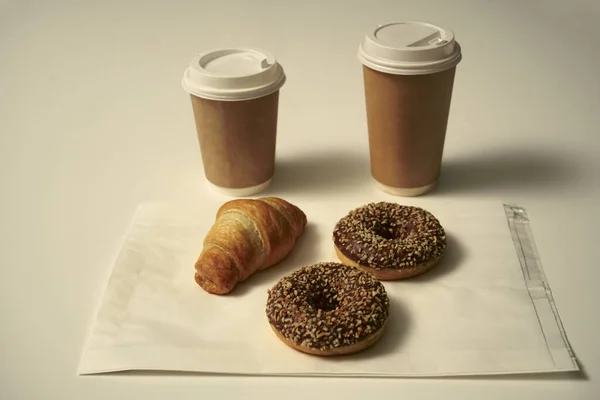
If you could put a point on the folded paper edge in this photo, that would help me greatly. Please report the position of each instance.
(538, 286)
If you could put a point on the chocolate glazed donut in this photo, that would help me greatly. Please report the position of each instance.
(389, 240)
(328, 309)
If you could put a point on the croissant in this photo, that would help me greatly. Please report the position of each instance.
(248, 235)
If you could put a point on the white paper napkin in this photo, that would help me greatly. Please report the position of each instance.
(472, 314)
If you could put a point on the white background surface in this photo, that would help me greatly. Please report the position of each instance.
(93, 121)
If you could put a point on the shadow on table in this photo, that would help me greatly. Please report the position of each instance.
(395, 331)
(508, 168)
(454, 255)
(321, 173)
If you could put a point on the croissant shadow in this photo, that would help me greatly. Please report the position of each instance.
(301, 255)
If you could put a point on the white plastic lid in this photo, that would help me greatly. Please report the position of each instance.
(409, 48)
(233, 74)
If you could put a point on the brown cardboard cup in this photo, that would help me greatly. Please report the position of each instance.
(235, 96)
(408, 71)
(407, 117)
(237, 141)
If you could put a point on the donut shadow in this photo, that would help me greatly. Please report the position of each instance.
(395, 331)
(300, 256)
(454, 255)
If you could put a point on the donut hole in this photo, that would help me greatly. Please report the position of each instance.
(325, 299)
(386, 231)
(389, 232)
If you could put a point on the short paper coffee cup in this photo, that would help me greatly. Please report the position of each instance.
(235, 95)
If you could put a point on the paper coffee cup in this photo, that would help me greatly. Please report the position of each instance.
(235, 97)
(408, 70)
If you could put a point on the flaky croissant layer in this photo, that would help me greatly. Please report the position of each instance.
(248, 235)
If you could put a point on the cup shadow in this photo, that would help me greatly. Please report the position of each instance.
(302, 254)
(394, 334)
(455, 254)
(321, 173)
(508, 168)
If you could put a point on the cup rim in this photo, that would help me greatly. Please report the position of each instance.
(200, 82)
(383, 57)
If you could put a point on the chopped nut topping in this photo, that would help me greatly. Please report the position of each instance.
(388, 235)
(322, 306)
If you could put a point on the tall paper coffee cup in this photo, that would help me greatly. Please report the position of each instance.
(408, 71)
(235, 97)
